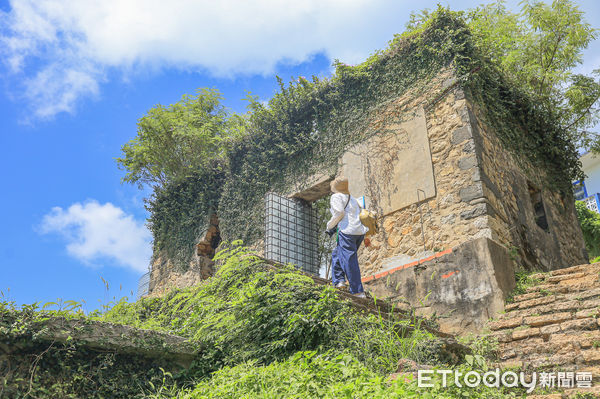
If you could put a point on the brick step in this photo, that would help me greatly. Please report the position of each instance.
(561, 342)
(587, 268)
(552, 361)
(585, 304)
(572, 278)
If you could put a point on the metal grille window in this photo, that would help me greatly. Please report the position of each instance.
(143, 285)
(291, 232)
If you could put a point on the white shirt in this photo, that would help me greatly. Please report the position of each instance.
(347, 220)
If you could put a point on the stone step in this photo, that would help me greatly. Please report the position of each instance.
(579, 349)
(549, 288)
(576, 269)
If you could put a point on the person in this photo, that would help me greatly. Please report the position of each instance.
(345, 212)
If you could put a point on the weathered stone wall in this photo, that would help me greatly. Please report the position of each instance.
(164, 275)
(477, 190)
(502, 189)
(463, 286)
(54, 357)
(451, 216)
(480, 191)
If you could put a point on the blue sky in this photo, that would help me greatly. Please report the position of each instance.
(77, 75)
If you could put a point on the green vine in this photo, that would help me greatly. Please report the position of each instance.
(180, 211)
(590, 226)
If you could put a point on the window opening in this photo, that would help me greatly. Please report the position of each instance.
(539, 212)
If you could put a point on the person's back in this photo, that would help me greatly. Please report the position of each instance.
(350, 224)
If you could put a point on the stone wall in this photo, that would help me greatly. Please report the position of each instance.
(463, 286)
(164, 275)
(451, 216)
(480, 191)
(507, 195)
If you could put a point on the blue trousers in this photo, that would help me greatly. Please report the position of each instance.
(344, 262)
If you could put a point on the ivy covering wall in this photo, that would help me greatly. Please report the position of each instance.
(309, 124)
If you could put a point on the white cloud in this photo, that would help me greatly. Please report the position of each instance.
(63, 48)
(94, 231)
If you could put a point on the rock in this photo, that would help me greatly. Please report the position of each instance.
(507, 323)
(461, 134)
(471, 192)
(467, 162)
(536, 321)
(477, 210)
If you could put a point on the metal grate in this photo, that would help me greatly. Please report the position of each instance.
(591, 203)
(291, 232)
(143, 285)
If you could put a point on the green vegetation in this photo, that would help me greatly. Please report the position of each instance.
(524, 279)
(313, 375)
(179, 212)
(258, 330)
(252, 312)
(538, 49)
(590, 226)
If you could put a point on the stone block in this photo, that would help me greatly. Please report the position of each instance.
(525, 333)
(537, 301)
(526, 297)
(591, 355)
(511, 364)
(506, 323)
(585, 313)
(471, 192)
(461, 134)
(568, 270)
(448, 219)
(582, 283)
(467, 162)
(469, 147)
(590, 303)
(585, 294)
(502, 336)
(537, 321)
(580, 324)
(511, 306)
(589, 339)
(560, 277)
(476, 211)
(508, 354)
(397, 163)
(561, 305)
(550, 329)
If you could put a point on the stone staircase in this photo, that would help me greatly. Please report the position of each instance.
(554, 326)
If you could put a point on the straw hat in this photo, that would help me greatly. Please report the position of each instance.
(340, 185)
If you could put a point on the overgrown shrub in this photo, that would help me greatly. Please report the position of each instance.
(590, 226)
(252, 311)
(325, 375)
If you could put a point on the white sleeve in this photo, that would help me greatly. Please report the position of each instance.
(337, 210)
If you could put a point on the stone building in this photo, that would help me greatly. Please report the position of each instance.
(459, 209)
